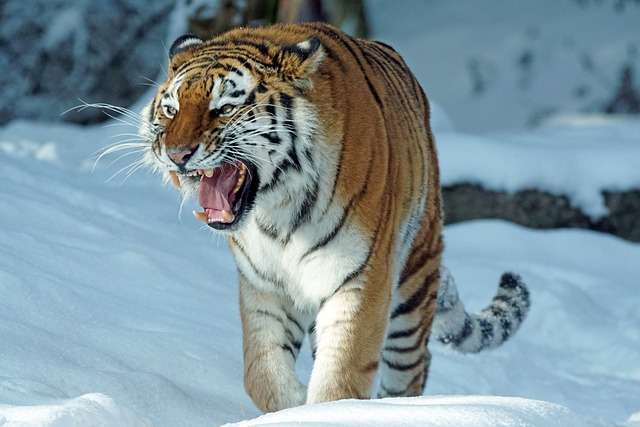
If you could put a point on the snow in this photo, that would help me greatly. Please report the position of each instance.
(509, 65)
(438, 411)
(95, 410)
(116, 310)
(576, 156)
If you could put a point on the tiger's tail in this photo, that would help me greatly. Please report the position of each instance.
(472, 333)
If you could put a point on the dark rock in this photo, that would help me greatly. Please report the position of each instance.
(540, 209)
(624, 214)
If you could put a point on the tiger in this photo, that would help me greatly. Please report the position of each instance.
(311, 152)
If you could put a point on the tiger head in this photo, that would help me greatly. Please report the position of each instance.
(230, 119)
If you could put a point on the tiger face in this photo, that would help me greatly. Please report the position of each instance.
(223, 124)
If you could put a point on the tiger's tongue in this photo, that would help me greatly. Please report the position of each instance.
(216, 193)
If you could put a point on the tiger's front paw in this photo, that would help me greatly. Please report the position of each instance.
(274, 388)
(329, 388)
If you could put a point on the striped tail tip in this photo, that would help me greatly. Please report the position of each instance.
(472, 333)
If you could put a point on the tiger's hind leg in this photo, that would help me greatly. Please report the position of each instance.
(272, 335)
(405, 357)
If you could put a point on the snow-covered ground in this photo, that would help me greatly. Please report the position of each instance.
(114, 311)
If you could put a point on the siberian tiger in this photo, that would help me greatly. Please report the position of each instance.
(312, 152)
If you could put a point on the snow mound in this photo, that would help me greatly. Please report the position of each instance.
(95, 410)
(437, 411)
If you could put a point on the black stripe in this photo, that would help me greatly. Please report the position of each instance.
(191, 65)
(282, 168)
(344, 41)
(267, 229)
(275, 179)
(272, 136)
(396, 82)
(486, 331)
(288, 348)
(404, 333)
(420, 342)
(241, 56)
(307, 154)
(295, 322)
(251, 98)
(312, 328)
(403, 366)
(292, 152)
(269, 314)
(517, 312)
(503, 317)
(237, 93)
(418, 297)
(335, 181)
(303, 213)
(261, 274)
(352, 202)
(387, 55)
(152, 111)
(262, 48)
(331, 235)
(398, 393)
(232, 69)
(381, 43)
(287, 104)
(355, 273)
(271, 109)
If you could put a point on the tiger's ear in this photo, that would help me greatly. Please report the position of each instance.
(181, 45)
(299, 61)
(184, 43)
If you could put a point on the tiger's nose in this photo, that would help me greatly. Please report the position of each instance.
(180, 156)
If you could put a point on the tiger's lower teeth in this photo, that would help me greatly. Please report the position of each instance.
(224, 216)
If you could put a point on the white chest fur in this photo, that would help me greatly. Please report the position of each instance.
(299, 268)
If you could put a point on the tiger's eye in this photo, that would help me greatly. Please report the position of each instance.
(227, 109)
(169, 111)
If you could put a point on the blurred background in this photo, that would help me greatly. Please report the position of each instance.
(503, 66)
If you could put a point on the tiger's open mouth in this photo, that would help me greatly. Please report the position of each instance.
(224, 193)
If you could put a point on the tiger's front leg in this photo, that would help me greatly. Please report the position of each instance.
(272, 336)
(349, 332)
